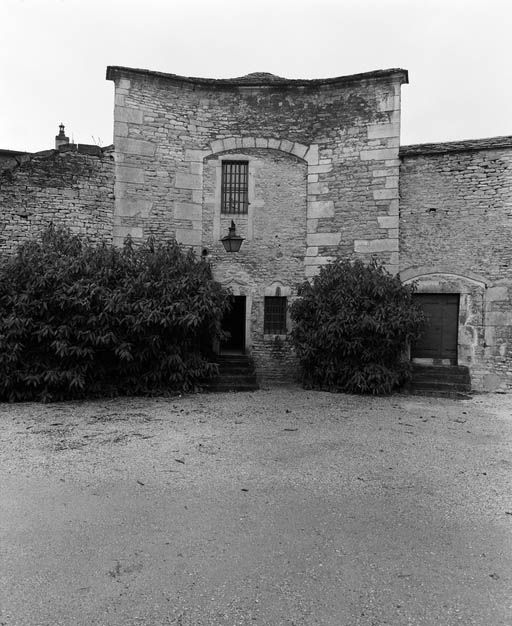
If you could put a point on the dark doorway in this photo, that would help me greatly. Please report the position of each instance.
(234, 323)
(439, 340)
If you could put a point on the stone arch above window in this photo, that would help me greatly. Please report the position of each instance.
(308, 153)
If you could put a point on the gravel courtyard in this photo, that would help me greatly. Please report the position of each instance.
(281, 506)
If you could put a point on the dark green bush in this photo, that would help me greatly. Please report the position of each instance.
(78, 320)
(351, 328)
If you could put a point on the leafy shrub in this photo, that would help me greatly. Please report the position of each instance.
(78, 320)
(351, 328)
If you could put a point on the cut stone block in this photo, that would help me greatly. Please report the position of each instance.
(124, 231)
(128, 114)
(312, 154)
(318, 260)
(188, 237)
(323, 239)
(320, 169)
(129, 174)
(135, 146)
(385, 194)
(366, 246)
(388, 221)
(187, 211)
(217, 145)
(286, 146)
(130, 207)
(379, 131)
(120, 129)
(188, 181)
(299, 150)
(317, 188)
(320, 208)
(195, 155)
(378, 154)
(229, 143)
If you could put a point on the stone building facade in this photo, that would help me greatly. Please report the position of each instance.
(308, 170)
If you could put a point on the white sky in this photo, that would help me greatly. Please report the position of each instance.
(53, 56)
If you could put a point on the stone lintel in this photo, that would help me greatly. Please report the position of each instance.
(230, 143)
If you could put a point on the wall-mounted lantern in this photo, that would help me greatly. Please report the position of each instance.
(232, 241)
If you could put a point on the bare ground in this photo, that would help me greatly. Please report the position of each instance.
(277, 507)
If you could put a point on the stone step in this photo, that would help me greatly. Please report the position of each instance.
(441, 380)
(236, 373)
(449, 376)
(224, 387)
(440, 385)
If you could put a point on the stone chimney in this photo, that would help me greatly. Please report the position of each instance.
(61, 139)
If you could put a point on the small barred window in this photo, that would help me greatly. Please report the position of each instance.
(275, 316)
(235, 187)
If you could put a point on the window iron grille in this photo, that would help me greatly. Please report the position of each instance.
(275, 315)
(235, 187)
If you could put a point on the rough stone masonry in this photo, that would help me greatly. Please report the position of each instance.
(326, 177)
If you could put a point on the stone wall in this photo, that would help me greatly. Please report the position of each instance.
(324, 169)
(456, 233)
(72, 187)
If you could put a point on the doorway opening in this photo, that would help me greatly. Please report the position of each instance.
(438, 344)
(233, 322)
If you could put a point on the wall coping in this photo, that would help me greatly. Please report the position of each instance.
(258, 79)
(489, 143)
